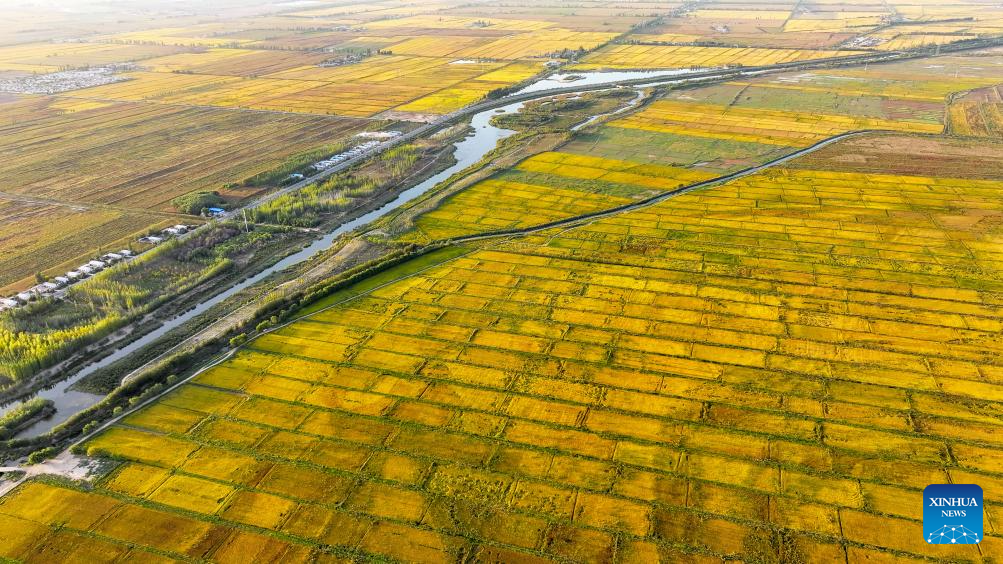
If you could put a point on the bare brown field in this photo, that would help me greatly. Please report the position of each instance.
(127, 158)
(36, 236)
(926, 156)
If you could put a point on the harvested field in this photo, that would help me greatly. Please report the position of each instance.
(978, 113)
(141, 156)
(85, 179)
(52, 57)
(895, 154)
(37, 236)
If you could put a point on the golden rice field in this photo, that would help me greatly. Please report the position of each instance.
(777, 365)
(550, 186)
(899, 42)
(765, 371)
(521, 45)
(473, 90)
(772, 127)
(51, 57)
(701, 132)
(681, 56)
(363, 89)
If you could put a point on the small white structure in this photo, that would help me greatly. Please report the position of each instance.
(25, 297)
(75, 275)
(86, 270)
(125, 253)
(62, 280)
(96, 264)
(172, 231)
(151, 239)
(111, 257)
(8, 302)
(50, 286)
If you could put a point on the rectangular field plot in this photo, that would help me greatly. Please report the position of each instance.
(771, 127)
(492, 205)
(658, 56)
(93, 156)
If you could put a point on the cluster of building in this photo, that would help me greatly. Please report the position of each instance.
(62, 81)
(342, 157)
(52, 288)
(59, 283)
(377, 136)
(173, 231)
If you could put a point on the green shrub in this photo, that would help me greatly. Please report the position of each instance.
(194, 202)
(42, 455)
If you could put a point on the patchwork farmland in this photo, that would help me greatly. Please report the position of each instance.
(767, 369)
(724, 373)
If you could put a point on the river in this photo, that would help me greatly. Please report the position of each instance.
(483, 138)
